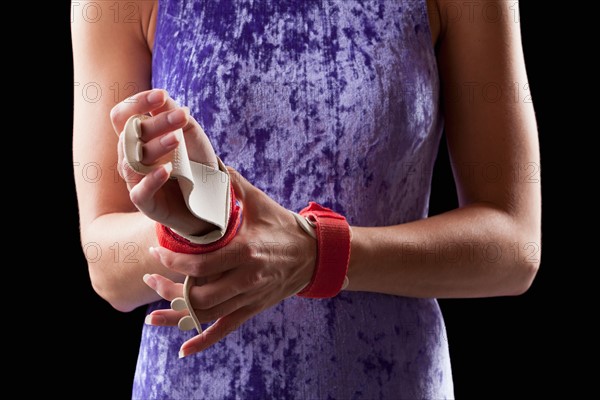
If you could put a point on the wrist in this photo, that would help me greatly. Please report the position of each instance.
(307, 255)
(333, 236)
(195, 227)
(358, 258)
(213, 240)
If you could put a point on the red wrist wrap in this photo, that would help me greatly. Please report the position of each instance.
(333, 251)
(172, 241)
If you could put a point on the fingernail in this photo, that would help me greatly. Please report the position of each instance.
(177, 117)
(149, 280)
(185, 352)
(164, 171)
(169, 140)
(158, 320)
(155, 97)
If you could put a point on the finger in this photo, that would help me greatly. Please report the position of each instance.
(166, 288)
(241, 186)
(169, 104)
(164, 317)
(142, 194)
(200, 148)
(202, 265)
(254, 201)
(217, 331)
(140, 103)
(129, 175)
(237, 282)
(126, 172)
(222, 309)
(163, 123)
(154, 150)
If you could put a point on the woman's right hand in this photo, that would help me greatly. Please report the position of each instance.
(155, 194)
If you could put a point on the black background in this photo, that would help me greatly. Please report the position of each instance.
(510, 347)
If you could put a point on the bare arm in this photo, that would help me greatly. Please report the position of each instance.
(491, 244)
(112, 61)
(488, 246)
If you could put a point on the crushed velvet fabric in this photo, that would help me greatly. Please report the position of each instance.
(333, 101)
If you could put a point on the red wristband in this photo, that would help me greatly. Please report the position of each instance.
(333, 251)
(172, 241)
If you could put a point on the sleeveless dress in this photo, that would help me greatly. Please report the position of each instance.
(333, 101)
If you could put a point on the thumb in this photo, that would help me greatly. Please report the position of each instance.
(254, 201)
(241, 186)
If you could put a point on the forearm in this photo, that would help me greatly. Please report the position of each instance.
(116, 249)
(474, 251)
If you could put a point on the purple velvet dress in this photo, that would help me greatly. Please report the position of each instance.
(335, 101)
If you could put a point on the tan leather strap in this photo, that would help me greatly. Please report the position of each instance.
(190, 321)
(309, 227)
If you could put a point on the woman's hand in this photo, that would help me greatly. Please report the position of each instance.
(154, 194)
(270, 259)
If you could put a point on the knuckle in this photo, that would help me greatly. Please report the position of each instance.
(205, 302)
(254, 278)
(195, 268)
(114, 112)
(254, 254)
(167, 261)
(136, 197)
(125, 173)
(164, 290)
(214, 313)
(129, 174)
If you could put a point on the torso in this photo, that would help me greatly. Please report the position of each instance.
(333, 101)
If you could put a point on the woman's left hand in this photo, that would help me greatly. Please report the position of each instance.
(270, 259)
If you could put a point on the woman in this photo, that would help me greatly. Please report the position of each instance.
(341, 103)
